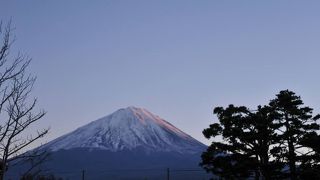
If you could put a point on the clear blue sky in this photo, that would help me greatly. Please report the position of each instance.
(178, 59)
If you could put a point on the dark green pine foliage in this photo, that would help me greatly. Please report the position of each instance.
(276, 141)
(247, 139)
(310, 166)
(298, 140)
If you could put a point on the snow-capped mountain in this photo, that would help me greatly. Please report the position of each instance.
(111, 147)
(128, 129)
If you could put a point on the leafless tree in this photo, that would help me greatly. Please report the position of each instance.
(16, 107)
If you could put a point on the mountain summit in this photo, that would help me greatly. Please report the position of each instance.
(130, 128)
(126, 144)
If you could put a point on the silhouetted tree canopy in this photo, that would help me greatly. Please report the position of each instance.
(268, 142)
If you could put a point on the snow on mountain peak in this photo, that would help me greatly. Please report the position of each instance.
(128, 129)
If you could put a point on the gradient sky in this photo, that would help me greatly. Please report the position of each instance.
(178, 59)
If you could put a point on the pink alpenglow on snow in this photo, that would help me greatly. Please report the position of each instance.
(128, 129)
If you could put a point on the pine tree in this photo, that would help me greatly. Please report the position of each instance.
(298, 127)
(264, 142)
(247, 142)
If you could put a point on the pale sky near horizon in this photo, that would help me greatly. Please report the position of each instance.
(179, 59)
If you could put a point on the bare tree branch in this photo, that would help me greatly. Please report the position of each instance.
(16, 109)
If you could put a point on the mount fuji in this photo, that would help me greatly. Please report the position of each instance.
(128, 129)
(131, 143)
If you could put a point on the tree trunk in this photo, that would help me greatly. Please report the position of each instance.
(2, 170)
(292, 161)
(265, 167)
(291, 155)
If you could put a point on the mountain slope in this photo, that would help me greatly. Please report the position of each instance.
(128, 129)
(130, 143)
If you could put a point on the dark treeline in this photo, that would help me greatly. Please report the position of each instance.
(274, 141)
